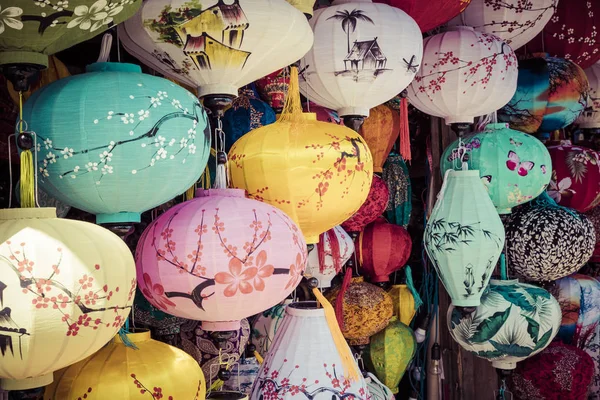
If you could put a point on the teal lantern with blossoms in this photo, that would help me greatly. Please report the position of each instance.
(115, 142)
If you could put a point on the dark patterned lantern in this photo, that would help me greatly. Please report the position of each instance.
(274, 87)
(371, 209)
(594, 216)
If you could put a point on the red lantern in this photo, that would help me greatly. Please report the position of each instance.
(274, 87)
(429, 14)
(323, 114)
(383, 248)
(373, 207)
(575, 177)
(594, 216)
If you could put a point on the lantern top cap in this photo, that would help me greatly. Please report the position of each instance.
(113, 67)
(141, 335)
(239, 193)
(305, 309)
(27, 213)
(337, 2)
(504, 282)
(496, 126)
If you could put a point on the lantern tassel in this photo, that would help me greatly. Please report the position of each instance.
(189, 194)
(258, 357)
(27, 182)
(221, 177)
(125, 339)
(348, 363)
(334, 245)
(404, 130)
(321, 252)
(292, 109)
(411, 286)
(339, 302)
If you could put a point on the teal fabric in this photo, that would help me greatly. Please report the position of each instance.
(115, 142)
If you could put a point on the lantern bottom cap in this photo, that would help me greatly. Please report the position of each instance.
(27, 383)
(221, 326)
(359, 341)
(504, 211)
(119, 218)
(23, 57)
(472, 302)
(311, 239)
(346, 111)
(500, 364)
(459, 120)
(218, 89)
(380, 278)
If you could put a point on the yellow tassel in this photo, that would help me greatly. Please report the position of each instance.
(292, 109)
(189, 194)
(348, 363)
(218, 384)
(27, 183)
(258, 357)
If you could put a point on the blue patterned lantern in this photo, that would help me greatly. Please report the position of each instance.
(115, 142)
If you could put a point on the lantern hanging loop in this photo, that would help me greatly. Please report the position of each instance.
(105, 47)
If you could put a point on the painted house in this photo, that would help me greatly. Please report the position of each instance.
(208, 53)
(366, 55)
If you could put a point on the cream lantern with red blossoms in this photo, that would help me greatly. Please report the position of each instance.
(219, 258)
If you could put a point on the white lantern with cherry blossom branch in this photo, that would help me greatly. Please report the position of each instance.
(590, 118)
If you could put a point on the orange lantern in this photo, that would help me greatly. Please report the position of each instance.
(380, 130)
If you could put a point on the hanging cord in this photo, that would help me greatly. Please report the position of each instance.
(411, 286)
(124, 338)
(105, 47)
(221, 175)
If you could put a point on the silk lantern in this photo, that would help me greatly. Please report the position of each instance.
(514, 321)
(383, 249)
(316, 172)
(201, 260)
(514, 167)
(404, 303)
(377, 390)
(429, 14)
(151, 369)
(464, 237)
(326, 260)
(67, 287)
(364, 54)
(464, 74)
(551, 93)
(381, 130)
(220, 46)
(306, 6)
(545, 242)
(590, 117)
(265, 326)
(575, 177)
(513, 21)
(371, 209)
(323, 114)
(148, 130)
(273, 88)
(297, 363)
(594, 216)
(397, 177)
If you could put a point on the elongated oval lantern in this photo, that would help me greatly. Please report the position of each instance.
(590, 117)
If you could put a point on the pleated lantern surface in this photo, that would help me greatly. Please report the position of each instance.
(514, 167)
(464, 74)
(383, 249)
(545, 241)
(514, 321)
(364, 54)
(318, 173)
(327, 258)
(516, 22)
(390, 352)
(404, 303)
(106, 138)
(31, 32)
(381, 130)
(297, 364)
(575, 177)
(371, 209)
(464, 237)
(67, 287)
(218, 46)
(590, 117)
(429, 14)
(219, 258)
(306, 6)
(265, 326)
(153, 370)
(551, 94)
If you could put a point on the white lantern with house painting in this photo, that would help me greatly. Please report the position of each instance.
(590, 118)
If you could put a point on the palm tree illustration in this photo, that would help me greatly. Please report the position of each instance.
(349, 20)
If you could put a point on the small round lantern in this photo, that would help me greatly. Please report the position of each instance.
(371, 209)
(380, 130)
(590, 117)
(514, 321)
(219, 258)
(326, 260)
(429, 14)
(545, 242)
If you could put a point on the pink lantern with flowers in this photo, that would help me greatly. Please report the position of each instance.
(219, 258)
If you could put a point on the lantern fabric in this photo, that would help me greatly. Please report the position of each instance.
(243, 376)
(575, 177)
(105, 154)
(397, 177)
(367, 309)
(306, 6)
(391, 351)
(514, 167)
(220, 46)
(464, 74)
(383, 249)
(545, 242)
(247, 112)
(464, 237)
(326, 260)
(371, 209)
(404, 303)
(297, 363)
(561, 372)
(594, 216)
(200, 260)
(551, 93)
(119, 371)
(429, 14)
(364, 54)
(56, 70)
(265, 325)
(378, 390)
(513, 21)
(381, 130)
(323, 114)
(30, 32)
(79, 283)
(590, 117)
(514, 321)
(273, 88)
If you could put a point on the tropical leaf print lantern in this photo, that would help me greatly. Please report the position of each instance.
(464, 74)
(590, 117)
(516, 22)
(514, 167)
(66, 287)
(220, 45)
(219, 258)
(364, 54)
(105, 154)
(326, 260)
(429, 14)
(464, 237)
(514, 321)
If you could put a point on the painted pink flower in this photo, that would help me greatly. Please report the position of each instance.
(156, 294)
(236, 278)
(296, 271)
(557, 191)
(264, 271)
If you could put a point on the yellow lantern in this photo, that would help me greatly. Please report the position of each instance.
(318, 173)
(118, 372)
